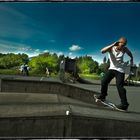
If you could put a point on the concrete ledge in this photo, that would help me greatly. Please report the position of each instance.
(36, 110)
(99, 127)
(47, 87)
(67, 126)
(32, 116)
(53, 126)
(58, 110)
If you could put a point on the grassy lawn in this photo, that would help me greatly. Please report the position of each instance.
(9, 71)
(93, 76)
(17, 72)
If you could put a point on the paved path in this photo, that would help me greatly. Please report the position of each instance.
(133, 94)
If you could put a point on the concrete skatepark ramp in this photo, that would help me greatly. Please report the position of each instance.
(32, 108)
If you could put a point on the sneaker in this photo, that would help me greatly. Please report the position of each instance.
(122, 107)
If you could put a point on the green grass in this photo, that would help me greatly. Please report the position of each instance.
(9, 71)
(17, 72)
(93, 76)
(136, 78)
(32, 73)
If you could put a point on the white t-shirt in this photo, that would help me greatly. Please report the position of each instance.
(116, 60)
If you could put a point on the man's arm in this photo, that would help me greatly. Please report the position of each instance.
(130, 55)
(108, 48)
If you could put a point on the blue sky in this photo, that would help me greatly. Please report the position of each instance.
(72, 29)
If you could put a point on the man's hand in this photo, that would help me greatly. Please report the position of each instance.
(108, 48)
(115, 43)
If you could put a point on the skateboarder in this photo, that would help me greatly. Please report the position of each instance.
(116, 52)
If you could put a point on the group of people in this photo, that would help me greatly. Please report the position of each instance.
(24, 70)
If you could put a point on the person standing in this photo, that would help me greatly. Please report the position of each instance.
(47, 72)
(116, 52)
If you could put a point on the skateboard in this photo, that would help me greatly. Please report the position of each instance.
(107, 104)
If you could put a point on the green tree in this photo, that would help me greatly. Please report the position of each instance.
(87, 65)
(12, 60)
(104, 67)
(40, 62)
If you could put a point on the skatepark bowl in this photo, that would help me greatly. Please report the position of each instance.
(34, 108)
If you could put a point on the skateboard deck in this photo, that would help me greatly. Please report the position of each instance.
(107, 104)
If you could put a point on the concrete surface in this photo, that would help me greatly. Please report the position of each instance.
(19, 104)
(83, 92)
(36, 106)
(133, 95)
(53, 87)
(34, 115)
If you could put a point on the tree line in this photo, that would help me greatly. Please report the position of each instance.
(85, 64)
(11, 60)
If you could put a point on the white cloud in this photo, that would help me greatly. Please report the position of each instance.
(37, 50)
(13, 47)
(54, 51)
(60, 53)
(45, 51)
(70, 54)
(75, 48)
